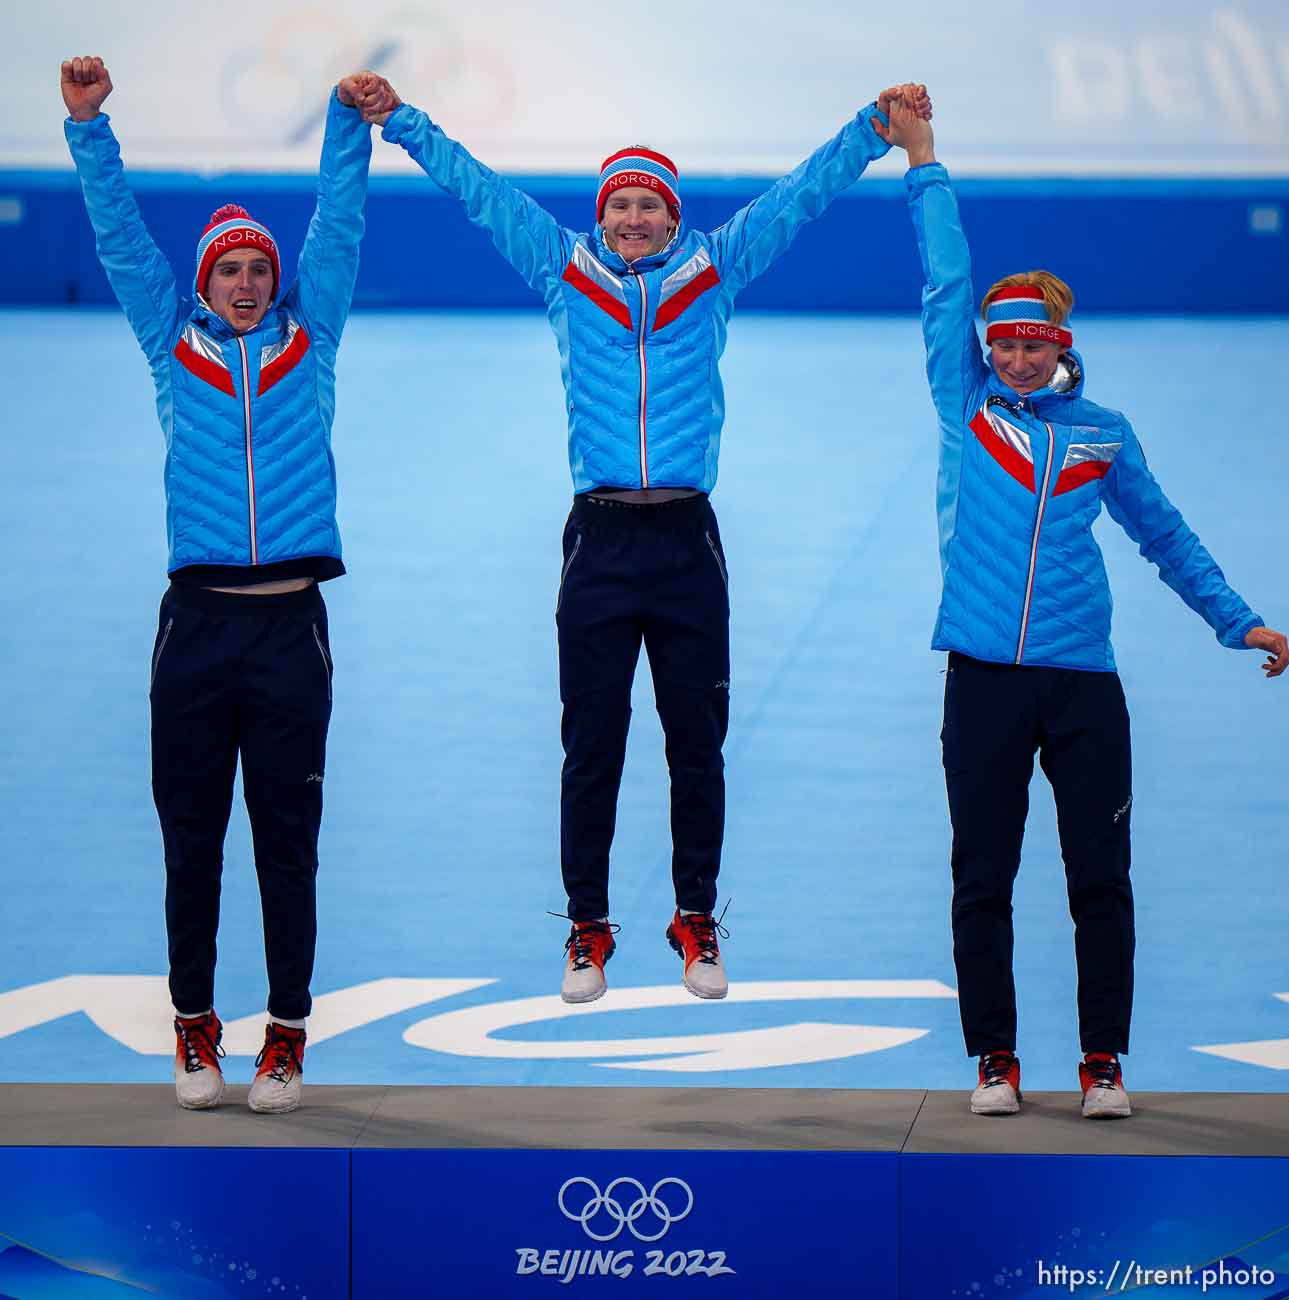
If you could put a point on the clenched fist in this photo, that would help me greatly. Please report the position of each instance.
(85, 85)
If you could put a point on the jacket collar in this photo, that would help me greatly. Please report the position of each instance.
(212, 323)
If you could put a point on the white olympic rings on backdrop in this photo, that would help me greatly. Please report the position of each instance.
(645, 1203)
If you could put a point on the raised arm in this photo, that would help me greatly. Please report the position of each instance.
(328, 265)
(755, 236)
(525, 234)
(955, 363)
(1137, 503)
(140, 276)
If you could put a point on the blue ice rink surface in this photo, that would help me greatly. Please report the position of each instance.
(439, 851)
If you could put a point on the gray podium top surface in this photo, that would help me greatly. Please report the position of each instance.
(708, 1119)
(1162, 1124)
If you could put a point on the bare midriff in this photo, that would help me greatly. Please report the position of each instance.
(279, 588)
(645, 496)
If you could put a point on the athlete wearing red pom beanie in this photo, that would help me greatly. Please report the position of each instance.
(241, 665)
(639, 307)
(234, 245)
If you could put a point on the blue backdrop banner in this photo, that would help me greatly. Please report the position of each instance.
(496, 1224)
(1126, 246)
(1027, 1227)
(103, 1223)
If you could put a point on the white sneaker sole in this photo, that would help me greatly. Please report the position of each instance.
(274, 1103)
(1107, 1106)
(1001, 1099)
(577, 996)
(709, 994)
(208, 1102)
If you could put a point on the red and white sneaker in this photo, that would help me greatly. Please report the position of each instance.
(693, 936)
(199, 1080)
(1101, 1079)
(998, 1092)
(589, 946)
(279, 1072)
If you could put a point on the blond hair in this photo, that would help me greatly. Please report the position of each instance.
(1058, 297)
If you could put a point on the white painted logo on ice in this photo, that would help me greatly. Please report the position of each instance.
(468, 1032)
(1270, 1053)
(135, 1010)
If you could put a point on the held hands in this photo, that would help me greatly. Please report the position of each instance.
(85, 85)
(912, 93)
(910, 128)
(371, 94)
(1275, 644)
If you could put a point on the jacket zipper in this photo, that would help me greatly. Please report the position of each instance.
(1033, 547)
(250, 462)
(644, 378)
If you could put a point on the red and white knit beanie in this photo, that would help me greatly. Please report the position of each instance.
(231, 228)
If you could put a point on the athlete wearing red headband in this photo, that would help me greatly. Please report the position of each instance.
(1026, 464)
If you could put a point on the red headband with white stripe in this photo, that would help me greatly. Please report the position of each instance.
(1019, 312)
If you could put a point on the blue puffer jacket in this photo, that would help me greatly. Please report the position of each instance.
(249, 475)
(1023, 478)
(640, 342)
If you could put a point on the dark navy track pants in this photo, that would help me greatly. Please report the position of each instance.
(250, 677)
(996, 717)
(651, 574)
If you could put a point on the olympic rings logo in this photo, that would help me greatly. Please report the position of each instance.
(645, 1202)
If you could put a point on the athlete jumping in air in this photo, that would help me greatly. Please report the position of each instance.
(245, 382)
(640, 308)
(1026, 463)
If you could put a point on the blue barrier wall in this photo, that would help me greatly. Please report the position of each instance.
(1208, 246)
(98, 1223)
(174, 1223)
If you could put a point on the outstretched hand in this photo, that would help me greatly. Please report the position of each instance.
(85, 85)
(371, 94)
(1275, 644)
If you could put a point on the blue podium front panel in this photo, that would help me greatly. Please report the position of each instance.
(1038, 1227)
(98, 1223)
(446, 1225)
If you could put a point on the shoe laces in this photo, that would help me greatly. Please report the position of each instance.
(583, 938)
(995, 1067)
(199, 1049)
(282, 1054)
(1103, 1071)
(705, 927)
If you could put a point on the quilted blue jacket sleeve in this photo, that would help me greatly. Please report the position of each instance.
(955, 364)
(1137, 503)
(140, 276)
(756, 235)
(328, 267)
(525, 234)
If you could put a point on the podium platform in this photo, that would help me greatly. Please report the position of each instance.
(387, 1192)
